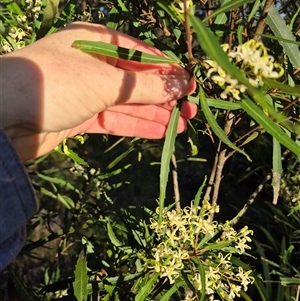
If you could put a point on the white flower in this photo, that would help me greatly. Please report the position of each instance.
(234, 290)
(22, 18)
(185, 240)
(252, 59)
(244, 278)
(171, 273)
(5, 47)
(189, 3)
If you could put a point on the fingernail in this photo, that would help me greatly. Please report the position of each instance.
(177, 87)
(192, 86)
(172, 103)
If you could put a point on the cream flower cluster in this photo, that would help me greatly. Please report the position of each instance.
(13, 41)
(20, 28)
(187, 240)
(252, 59)
(181, 5)
(34, 6)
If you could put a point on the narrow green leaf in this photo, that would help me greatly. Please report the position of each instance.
(276, 170)
(270, 238)
(227, 7)
(47, 192)
(245, 296)
(215, 126)
(194, 148)
(269, 125)
(114, 18)
(175, 288)
(203, 280)
(272, 37)
(58, 181)
(290, 281)
(167, 151)
(128, 15)
(185, 277)
(273, 84)
(253, 136)
(89, 247)
(222, 104)
(81, 279)
(110, 289)
(294, 18)
(13, 7)
(65, 16)
(171, 10)
(76, 158)
(72, 155)
(115, 51)
(281, 30)
(254, 10)
(199, 193)
(266, 273)
(222, 18)
(205, 240)
(111, 234)
(239, 33)
(119, 158)
(66, 201)
(144, 290)
(113, 173)
(218, 246)
(114, 145)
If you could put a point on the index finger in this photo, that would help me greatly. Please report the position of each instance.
(129, 42)
(95, 32)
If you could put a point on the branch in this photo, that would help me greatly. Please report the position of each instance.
(253, 196)
(188, 33)
(262, 20)
(222, 158)
(175, 184)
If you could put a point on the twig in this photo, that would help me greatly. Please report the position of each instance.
(259, 188)
(222, 158)
(233, 15)
(256, 128)
(188, 33)
(218, 177)
(252, 198)
(262, 20)
(175, 183)
(212, 174)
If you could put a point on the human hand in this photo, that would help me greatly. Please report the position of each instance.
(53, 91)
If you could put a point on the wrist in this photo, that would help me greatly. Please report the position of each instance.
(18, 76)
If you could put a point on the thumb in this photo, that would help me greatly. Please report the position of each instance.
(144, 88)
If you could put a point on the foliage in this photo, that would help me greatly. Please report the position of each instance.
(98, 234)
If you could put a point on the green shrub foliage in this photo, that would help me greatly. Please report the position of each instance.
(211, 214)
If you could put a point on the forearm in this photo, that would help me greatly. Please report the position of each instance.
(20, 86)
(20, 78)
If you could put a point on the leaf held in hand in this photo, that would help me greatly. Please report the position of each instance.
(121, 52)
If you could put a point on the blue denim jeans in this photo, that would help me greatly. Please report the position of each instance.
(17, 202)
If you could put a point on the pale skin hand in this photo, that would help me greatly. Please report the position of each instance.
(52, 91)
